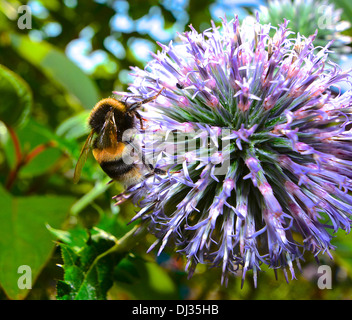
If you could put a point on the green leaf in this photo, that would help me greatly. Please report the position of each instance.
(88, 273)
(89, 269)
(343, 253)
(76, 238)
(57, 67)
(71, 130)
(143, 280)
(74, 127)
(24, 238)
(16, 98)
(346, 7)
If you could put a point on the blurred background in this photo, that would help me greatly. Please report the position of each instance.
(57, 59)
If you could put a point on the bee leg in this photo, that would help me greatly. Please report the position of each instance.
(155, 170)
(135, 96)
(139, 153)
(152, 98)
(136, 105)
(139, 117)
(159, 171)
(149, 166)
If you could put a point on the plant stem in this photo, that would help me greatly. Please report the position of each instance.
(124, 244)
(16, 143)
(19, 158)
(23, 159)
(37, 150)
(99, 188)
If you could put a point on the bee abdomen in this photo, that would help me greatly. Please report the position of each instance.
(116, 169)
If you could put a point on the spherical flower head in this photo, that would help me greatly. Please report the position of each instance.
(255, 147)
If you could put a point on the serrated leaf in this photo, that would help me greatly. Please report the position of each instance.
(88, 275)
(69, 256)
(75, 239)
(63, 290)
(16, 98)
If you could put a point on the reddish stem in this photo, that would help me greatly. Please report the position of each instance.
(37, 150)
(16, 144)
(21, 159)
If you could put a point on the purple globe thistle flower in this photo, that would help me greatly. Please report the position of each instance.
(255, 146)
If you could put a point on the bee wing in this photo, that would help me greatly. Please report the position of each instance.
(82, 158)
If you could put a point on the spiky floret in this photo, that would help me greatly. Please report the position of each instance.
(256, 146)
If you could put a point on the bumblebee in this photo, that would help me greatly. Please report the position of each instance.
(108, 121)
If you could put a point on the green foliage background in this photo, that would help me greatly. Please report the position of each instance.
(75, 53)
